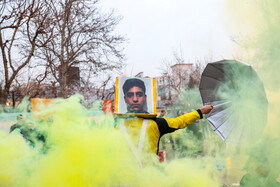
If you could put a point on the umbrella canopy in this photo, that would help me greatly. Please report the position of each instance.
(239, 99)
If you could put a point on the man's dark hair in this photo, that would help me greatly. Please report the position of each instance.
(129, 83)
(19, 116)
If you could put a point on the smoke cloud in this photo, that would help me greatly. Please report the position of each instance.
(81, 150)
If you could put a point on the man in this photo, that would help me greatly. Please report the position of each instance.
(31, 135)
(156, 128)
(135, 96)
(27, 130)
(18, 124)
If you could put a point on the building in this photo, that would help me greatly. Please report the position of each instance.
(180, 78)
(170, 84)
(163, 91)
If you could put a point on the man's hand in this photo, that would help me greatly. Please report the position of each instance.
(206, 109)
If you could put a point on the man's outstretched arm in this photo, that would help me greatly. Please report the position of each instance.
(184, 120)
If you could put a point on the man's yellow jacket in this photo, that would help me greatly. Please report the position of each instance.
(156, 128)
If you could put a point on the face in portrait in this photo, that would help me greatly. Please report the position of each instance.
(135, 95)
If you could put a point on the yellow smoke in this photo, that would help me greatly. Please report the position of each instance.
(83, 152)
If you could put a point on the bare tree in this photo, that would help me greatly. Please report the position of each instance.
(180, 75)
(197, 70)
(176, 73)
(31, 87)
(22, 24)
(82, 37)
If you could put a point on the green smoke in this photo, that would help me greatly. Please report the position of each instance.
(254, 25)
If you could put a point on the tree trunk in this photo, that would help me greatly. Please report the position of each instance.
(3, 97)
(63, 80)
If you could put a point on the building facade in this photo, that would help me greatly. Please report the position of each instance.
(170, 84)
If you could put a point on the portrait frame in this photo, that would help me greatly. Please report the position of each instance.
(121, 107)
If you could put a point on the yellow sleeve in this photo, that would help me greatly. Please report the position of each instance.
(183, 120)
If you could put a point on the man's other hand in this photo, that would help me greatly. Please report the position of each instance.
(206, 109)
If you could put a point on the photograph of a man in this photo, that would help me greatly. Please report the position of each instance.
(135, 97)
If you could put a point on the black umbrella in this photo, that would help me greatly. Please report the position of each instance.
(239, 99)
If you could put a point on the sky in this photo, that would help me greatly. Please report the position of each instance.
(157, 28)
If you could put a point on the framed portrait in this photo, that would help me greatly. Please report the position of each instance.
(135, 96)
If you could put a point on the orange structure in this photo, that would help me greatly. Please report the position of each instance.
(108, 106)
(162, 156)
(37, 105)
